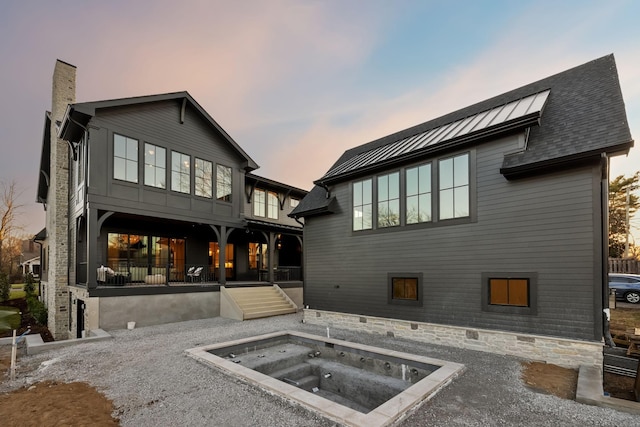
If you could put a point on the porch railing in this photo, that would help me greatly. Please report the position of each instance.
(123, 274)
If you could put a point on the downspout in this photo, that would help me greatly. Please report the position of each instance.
(604, 279)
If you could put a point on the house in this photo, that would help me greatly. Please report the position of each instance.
(31, 266)
(151, 208)
(485, 228)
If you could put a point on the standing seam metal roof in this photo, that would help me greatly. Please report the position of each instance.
(468, 126)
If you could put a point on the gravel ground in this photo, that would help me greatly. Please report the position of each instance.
(153, 383)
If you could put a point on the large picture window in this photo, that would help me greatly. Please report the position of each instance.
(203, 178)
(180, 172)
(125, 158)
(389, 200)
(431, 192)
(418, 185)
(454, 187)
(362, 205)
(155, 166)
(224, 187)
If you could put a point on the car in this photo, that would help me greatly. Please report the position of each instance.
(627, 287)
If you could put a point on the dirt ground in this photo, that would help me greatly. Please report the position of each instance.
(79, 404)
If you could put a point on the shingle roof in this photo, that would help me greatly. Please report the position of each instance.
(584, 116)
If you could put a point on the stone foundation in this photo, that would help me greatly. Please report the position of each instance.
(559, 351)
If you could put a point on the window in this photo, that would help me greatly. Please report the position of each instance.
(405, 289)
(454, 187)
(125, 158)
(435, 191)
(259, 202)
(272, 205)
(362, 205)
(224, 187)
(180, 172)
(389, 200)
(418, 185)
(265, 204)
(509, 292)
(293, 202)
(513, 293)
(203, 178)
(155, 166)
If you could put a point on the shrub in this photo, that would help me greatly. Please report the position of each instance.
(29, 285)
(37, 310)
(5, 287)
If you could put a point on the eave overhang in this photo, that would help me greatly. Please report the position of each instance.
(73, 125)
(272, 226)
(574, 160)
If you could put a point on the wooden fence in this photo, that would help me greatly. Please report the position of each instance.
(628, 266)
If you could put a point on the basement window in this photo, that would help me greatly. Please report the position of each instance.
(405, 289)
(509, 292)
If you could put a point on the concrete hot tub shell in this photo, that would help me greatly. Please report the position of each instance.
(350, 383)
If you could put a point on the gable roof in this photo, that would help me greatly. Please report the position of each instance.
(581, 117)
(78, 115)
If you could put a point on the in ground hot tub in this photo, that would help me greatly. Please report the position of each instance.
(350, 383)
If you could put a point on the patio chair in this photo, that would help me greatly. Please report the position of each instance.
(195, 274)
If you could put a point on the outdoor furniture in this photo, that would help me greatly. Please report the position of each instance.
(195, 274)
(104, 273)
(118, 279)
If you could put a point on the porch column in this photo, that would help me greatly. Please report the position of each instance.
(92, 236)
(222, 259)
(272, 253)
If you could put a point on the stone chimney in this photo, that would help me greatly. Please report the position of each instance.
(57, 284)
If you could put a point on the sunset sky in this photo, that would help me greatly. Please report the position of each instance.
(296, 83)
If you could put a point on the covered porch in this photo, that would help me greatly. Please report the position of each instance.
(136, 251)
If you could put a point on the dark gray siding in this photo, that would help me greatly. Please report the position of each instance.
(545, 224)
(158, 123)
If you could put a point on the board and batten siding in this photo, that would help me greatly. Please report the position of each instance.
(158, 123)
(547, 224)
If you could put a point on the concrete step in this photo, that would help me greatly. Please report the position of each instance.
(269, 313)
(268, 308)
(264, 301)
(269, 304)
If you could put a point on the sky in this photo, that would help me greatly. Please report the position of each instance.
(296, 83)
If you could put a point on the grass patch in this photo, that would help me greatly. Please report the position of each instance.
(17, 294)
(17, 286)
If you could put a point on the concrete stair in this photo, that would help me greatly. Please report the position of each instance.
(254, 302)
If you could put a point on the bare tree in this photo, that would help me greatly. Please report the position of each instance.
(9, 214)
(623, 204)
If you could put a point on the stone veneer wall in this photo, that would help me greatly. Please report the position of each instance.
(559, 351)
(57, 293)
